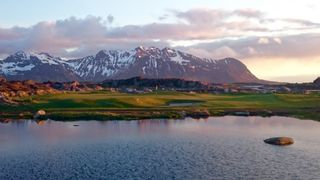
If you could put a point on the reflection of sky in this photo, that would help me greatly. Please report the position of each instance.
(51, 132)
(226, 147)
(277, 126)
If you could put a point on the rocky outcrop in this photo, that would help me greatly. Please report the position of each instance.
(279, 141)
(3, 99)
(11, 89)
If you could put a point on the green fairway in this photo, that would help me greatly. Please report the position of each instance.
(107, 103)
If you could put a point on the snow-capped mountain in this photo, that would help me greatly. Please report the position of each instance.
(39, 67)
(121, 64)
(103, 65)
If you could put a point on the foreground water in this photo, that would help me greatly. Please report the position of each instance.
(226, 147)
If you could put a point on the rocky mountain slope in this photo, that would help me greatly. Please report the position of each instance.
(317, 81)
(121, 64)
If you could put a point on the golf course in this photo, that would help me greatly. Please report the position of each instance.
(105, 105)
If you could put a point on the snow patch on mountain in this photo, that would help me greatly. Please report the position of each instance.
(46, 58)
(178, 59)
(42, 57)
(14, 68)
(105, 63)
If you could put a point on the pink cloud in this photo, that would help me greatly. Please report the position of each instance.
(90, 34)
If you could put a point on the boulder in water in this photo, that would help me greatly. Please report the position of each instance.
(39, 113)
(280, 141)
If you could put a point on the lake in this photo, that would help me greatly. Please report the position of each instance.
(215, 148)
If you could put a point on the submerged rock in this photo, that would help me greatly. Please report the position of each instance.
(280, 141)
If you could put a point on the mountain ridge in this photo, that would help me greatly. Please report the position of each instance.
(148, 62)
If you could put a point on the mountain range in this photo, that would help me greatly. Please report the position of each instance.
(147, 62)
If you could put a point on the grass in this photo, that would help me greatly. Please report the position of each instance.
(106, 105)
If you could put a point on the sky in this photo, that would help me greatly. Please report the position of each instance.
(277, 39)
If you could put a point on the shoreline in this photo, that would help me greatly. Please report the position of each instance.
(143, 114)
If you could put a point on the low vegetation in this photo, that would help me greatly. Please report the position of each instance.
(104, 105)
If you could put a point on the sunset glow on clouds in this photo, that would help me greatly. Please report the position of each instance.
(274, 46)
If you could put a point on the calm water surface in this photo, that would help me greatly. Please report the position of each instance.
(216, 148)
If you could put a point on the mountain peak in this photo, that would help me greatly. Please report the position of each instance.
(46, 54)
(27, 55)
(22, 55)
(169, 50)
(147, 62)
(101, 53)
(141, 48)
(146, 49)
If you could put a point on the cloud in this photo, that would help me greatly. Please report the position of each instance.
(277, 40)
(110, 19)
(263, 40)
(302, 22)
(301, 46)
(215, 16)
(54, 37)
(219, 53)
(203, 16)
(249, 13)
(240, 33)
